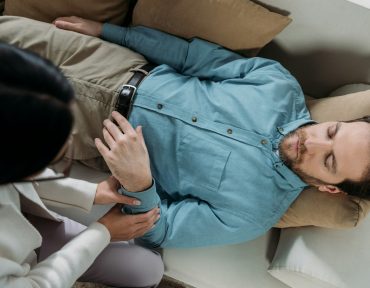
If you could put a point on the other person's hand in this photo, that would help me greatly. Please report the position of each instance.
(107, 193)
(123, 227)
(80, 25)
(127, 156)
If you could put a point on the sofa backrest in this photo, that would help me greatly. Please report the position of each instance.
(327, 45)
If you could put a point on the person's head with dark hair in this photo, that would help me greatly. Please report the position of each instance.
(333, 156)
(35, 113)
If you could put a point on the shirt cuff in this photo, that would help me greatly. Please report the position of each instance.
(113, 33)
(148, 198)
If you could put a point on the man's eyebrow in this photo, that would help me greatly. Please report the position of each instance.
(334, 165)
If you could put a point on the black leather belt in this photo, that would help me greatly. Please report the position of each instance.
(126, 96)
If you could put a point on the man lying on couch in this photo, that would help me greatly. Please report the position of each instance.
(230, 140)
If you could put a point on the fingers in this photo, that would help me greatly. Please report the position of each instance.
(71, 19)
(123, 123)
(127, 200)
(140, 232)
(71, 23)
(108, 138)
(150, 215)
(103, 150)
(143, 227)
(112, 129)
(66, 25)
(115, 133)
(124, 227)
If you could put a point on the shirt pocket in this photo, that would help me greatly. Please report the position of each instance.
(201, 164)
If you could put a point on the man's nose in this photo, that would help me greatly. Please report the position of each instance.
(314, 145)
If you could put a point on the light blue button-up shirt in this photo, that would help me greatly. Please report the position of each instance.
(212, 121)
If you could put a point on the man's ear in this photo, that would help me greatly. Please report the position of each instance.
(329, 188)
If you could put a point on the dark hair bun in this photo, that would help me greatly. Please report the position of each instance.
(35, 113)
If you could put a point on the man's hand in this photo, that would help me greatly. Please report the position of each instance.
(123, 227)
(106, 193)
(80, 25)
(127, 156)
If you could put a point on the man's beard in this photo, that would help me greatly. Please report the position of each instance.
(284, 146)
(293, 163)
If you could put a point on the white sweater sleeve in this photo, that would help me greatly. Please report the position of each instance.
(61, 269)
(67, 192)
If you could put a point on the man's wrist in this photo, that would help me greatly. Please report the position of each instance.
(149, 199)
(140, 187)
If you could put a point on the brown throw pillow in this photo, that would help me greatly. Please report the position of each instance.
(113, 11)
(316, 208)
(239, 25)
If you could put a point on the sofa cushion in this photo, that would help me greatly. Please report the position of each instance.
(323, 258)
(316, 208)
(239, 25)
(113, 11)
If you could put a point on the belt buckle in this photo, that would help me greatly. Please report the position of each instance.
(129, 86)
(125, 108)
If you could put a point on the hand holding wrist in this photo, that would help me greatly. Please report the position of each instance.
(123, 227)
(107, 193)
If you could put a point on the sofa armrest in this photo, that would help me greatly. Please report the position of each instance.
(318, 257)
(236, 266)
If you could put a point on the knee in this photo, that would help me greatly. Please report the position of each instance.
(152, 270)
(122, 265)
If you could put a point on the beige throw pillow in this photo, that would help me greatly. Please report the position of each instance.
(113, 11)
(316, 208)
(239, 25)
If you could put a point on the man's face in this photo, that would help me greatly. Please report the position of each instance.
(329, 152)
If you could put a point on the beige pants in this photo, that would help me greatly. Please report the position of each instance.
(95, 68)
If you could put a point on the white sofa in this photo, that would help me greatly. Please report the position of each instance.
(326, 46)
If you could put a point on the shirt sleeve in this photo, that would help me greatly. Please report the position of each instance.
(191, 223)
(196, 57)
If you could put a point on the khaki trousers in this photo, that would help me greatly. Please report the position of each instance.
(96, 69)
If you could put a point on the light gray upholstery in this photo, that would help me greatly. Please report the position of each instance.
(326, 46)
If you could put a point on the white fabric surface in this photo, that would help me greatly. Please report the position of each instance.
(317, 257)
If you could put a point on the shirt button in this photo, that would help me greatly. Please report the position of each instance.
(159, 106)
(229, 131)
(264, 141)
(194, 119)
(280, 129)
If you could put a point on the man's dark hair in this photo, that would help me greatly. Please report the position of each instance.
(358, 188)
(35, 113)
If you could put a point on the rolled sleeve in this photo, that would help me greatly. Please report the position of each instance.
(149, 199)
